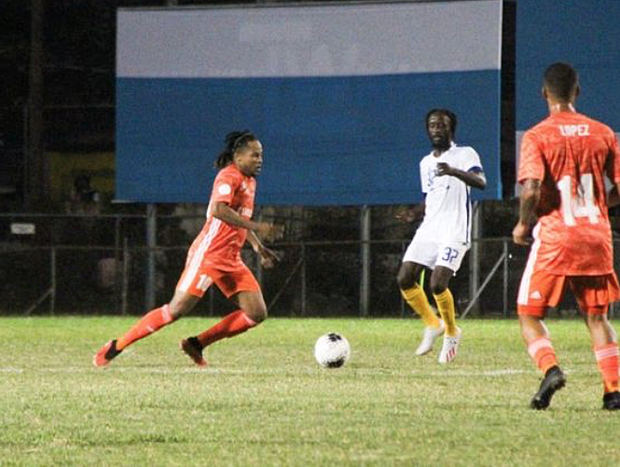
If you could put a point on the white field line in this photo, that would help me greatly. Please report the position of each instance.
(306, 371)
(11, 370)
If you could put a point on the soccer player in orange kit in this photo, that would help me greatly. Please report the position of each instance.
(563, 162)
(215, 257)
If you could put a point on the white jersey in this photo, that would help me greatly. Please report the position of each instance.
(447, 215)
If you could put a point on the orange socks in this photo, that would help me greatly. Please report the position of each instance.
(541, 351)
(148, 324)
(607, 361)
(231, 325)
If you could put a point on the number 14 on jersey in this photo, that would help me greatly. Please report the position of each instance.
(579, 202)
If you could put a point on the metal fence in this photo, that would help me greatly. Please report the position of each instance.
(100, 265)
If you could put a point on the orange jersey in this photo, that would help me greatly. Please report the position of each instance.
(219, 244)
(570, 154)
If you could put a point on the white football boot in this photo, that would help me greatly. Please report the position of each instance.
(450, 347)
(430, 336)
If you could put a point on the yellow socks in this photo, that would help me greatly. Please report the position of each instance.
(416, 299)
(445, 305)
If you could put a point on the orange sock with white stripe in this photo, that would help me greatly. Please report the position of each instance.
(542, 353)
(231, 325)
(148, 324)
(607, 362)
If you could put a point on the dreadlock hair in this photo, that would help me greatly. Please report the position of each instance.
(561, 80)
(234, 140)
(448, 113)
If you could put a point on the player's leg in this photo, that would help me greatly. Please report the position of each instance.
(252, 311)
(413, 292)
(605, 347)
(440, 279)
(589, 291)
(537, 291)
(417, 256)
(181, 303)
(449, 259)
(243, 289)
(542, 353)
(191, 287)
(537, 338)
(414, 295)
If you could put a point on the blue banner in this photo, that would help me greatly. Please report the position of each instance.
(585, 34)
(336, 94)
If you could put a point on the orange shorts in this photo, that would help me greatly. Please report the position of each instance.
(542, 289)
(196, 281)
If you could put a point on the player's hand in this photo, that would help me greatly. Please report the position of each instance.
(405, 214)
(521, 234)
(443, 169)
(268, 257)
(410, 214)
(270, 232)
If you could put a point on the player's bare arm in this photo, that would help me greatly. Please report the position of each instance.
(529, 198)
(471, 178)
(268, 257)
(266, 230)
(613, 197)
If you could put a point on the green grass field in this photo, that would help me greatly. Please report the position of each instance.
(264, 401)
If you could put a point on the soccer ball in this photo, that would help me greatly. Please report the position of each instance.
(332, 350)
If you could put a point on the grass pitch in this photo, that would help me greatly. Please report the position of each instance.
(264, 401)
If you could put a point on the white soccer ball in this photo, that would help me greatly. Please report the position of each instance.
(332, 350)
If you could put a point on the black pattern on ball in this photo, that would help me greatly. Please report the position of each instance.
(336, 363)
(334, 338)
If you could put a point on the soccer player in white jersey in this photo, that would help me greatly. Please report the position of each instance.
(442, 239)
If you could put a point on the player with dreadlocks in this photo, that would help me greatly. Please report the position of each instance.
(442, 239)
(215, 257)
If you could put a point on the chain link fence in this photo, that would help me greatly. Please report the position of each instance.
(98, 265)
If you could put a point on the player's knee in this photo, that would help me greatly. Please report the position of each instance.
(258, 313)
(176, 311)
(181, 306)
(405, 280)
(596, 316)
(438, 288)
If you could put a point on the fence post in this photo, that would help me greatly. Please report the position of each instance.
(125, 286)
(257, 259)
(365, 257)
(505, 290)
(302, 276)
(151, 243)
(474, 255)
(118, 272)
(53, 280)
(403, 307)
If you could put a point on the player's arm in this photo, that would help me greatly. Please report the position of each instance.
(528, 202)
(473, 177)
(611, 167)
(267, 230)
(613, 197)
(268, 257)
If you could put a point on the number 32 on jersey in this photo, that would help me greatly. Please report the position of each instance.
(580, 202)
